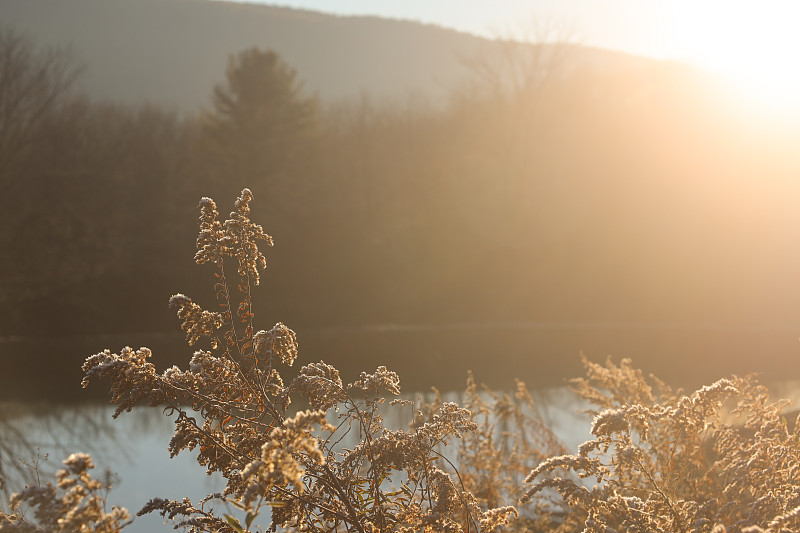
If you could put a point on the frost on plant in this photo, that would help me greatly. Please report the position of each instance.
(721, 458)
(231, 407)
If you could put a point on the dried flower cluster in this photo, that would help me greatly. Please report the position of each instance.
(719, 459)
(80, 507)
(231, 407)
(510, 438)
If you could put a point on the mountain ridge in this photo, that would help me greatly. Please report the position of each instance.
(172, 52)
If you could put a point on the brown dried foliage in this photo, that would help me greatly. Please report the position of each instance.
(232, 407)
(76, 504)
(720, 459)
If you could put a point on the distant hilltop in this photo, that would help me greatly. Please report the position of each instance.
(172, 52)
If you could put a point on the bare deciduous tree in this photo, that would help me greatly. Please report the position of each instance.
(33, 83)
(524, 59)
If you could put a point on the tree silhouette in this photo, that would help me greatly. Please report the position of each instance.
(261, 120)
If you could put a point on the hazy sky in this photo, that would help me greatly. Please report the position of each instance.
(665, 28)
(753, 42)
(605, 23)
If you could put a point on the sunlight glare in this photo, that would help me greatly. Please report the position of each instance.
(753, 45)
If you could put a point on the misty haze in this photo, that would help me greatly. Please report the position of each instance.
(447, 210)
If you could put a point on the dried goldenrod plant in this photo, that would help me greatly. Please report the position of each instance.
(232, 407)
(510, 438)
(76, 504)
(719, 459)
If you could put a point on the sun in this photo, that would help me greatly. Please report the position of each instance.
(754, 46)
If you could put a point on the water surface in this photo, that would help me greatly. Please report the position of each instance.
(134, 447)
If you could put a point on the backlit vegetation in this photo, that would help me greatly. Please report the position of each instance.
(722, 458)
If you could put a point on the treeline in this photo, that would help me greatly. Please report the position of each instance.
(623, 192)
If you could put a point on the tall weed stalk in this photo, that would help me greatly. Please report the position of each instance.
(231, 407)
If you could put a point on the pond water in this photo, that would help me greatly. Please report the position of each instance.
(134, 447)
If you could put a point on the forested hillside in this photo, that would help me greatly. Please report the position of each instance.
(170, 52)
